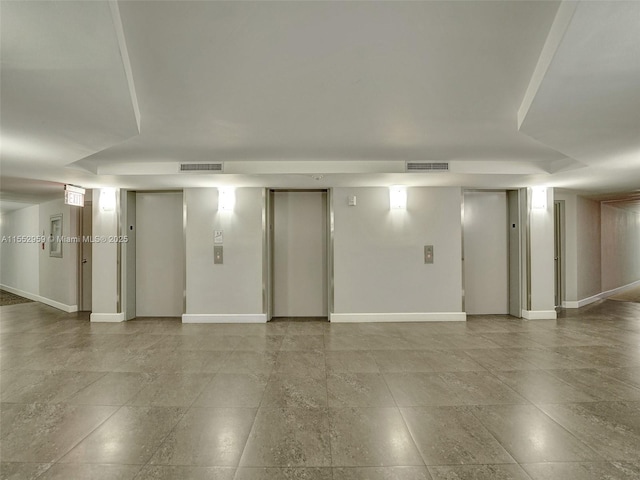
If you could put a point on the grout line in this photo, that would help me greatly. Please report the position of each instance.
(60, 457)
(566, 429)
(257, 410)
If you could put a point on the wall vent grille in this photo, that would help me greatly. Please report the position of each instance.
(201, 167)
(427, 167)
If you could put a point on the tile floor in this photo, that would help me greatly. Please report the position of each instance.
(493, 398)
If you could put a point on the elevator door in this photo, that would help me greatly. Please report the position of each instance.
(299, 254)
(486, 275)
(160, 256)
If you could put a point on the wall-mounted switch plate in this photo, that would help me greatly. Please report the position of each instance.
(217, 255)
(217, 236)
(428, 254)
(352, 200)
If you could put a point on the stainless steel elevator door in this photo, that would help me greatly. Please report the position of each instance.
(486, 274)
(160, 254)
(300, 254)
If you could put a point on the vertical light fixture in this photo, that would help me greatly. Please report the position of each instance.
(226, 199)
(107, 199)
(539, 198)
(398, 197)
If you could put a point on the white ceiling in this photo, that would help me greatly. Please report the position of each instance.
(104, 93)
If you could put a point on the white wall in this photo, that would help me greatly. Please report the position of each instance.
(300, 254)
(588, 251)
(231, 291)
(59, 276)
(19, 268)
(379, 255)
(582, 251)
(28, 270)
(601, 251)
(620, 247)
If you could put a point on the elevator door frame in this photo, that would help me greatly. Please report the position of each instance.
(128, 280)
(514, 249)
(268, 250)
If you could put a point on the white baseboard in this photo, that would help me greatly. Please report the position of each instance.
(570, 304)
(22, 293)
(539, 314)
(107, 317)
(398, 317)
(583, 302)
(37, 298)
(59, 306)
(224, 318)
(600, 296)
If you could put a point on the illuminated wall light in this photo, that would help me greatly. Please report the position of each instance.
(539, 198)
(398, 197)
(226, 199)
(107, 199)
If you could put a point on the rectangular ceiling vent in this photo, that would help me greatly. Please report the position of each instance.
(201, 167)
(427, 166)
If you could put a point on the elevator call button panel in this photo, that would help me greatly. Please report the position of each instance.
(217, 255)
(428, 254)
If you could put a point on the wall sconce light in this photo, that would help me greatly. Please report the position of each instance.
(107, 199)
(398, 197)
(226, 199)
(539, 198)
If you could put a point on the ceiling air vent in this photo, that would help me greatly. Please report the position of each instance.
(427, 167)
(201, 167)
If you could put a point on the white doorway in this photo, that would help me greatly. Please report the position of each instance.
(160, 257)
(85, 258)
(515, 248)
(298, 261)
(558, 222)
(486, 254)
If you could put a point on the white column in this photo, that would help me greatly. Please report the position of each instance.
(540, 278)
(105, 285)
